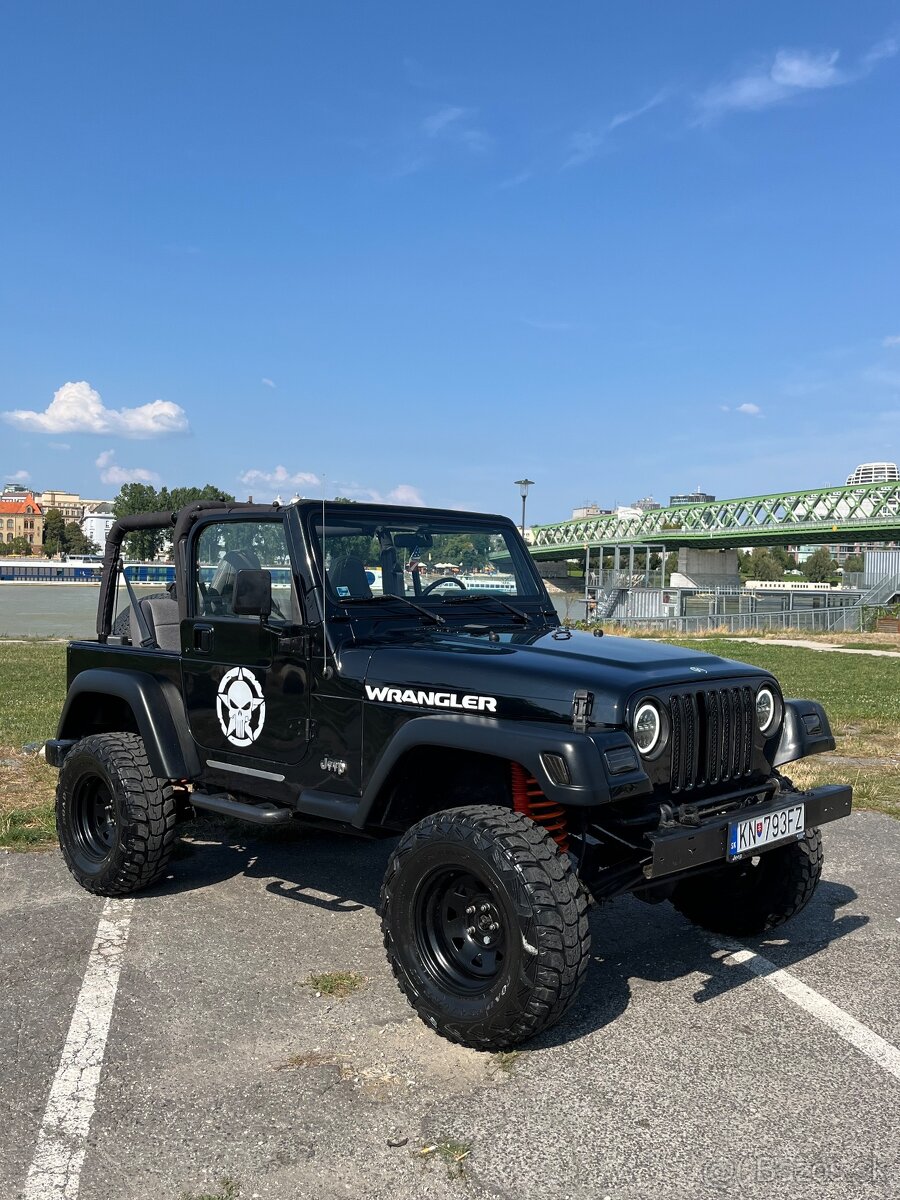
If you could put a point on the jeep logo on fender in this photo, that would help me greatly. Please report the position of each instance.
(392, 695)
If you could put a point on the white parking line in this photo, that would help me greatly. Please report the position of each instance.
(55, 1171)
(858, 1035)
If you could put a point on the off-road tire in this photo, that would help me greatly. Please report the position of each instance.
(122, 624)
(130, 849)
(542, 911)
(748, 898)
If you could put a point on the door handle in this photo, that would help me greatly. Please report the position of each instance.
(203, 638)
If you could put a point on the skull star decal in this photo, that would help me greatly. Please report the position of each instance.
(240, 706)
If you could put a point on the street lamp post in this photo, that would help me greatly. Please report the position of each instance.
(523, 485)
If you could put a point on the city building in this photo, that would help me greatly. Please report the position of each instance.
(589, 510)
(697, 497)
(647, 504)
(70, 504)
(97, 521)
(21, 517)
(883, 472)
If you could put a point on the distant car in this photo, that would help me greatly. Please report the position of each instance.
(522, 765)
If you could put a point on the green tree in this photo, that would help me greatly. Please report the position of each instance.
(761, 564)
(19, 545)
(855, 564)
(468, 550)
(820, 567)
(54, 532)
(136, 498)
(175, 498)
(671, 564)
(786, 561)
(77, 541)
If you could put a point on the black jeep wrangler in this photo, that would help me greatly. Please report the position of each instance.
(400, 671)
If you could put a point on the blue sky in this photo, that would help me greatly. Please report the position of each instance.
(421, 250)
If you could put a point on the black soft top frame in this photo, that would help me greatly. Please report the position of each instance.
(182, 521)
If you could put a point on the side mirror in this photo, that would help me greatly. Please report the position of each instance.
(253, 594)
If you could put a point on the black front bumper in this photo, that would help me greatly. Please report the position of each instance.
(685, 846)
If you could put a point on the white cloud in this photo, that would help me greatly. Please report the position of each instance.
(19, 477)
(751, 410)
(267, 382)
(405, 493)
(887, 48)
(59, 446)
(456, 124)
(77, 408)
(450, 114)
(790, 73)
(892, 340)
(279, 477)
(514, 181)
(110, 472)
(584, 144)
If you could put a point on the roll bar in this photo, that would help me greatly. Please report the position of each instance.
(182, 521)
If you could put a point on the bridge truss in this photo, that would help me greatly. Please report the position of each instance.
(859, 513)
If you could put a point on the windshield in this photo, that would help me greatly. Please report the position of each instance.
(431, 562)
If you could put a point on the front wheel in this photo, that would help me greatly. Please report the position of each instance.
(485, 925)
(115, 820)
(757, 894)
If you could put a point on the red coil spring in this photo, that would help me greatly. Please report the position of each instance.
(529, 800)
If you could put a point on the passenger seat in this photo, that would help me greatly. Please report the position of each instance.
(163, 622)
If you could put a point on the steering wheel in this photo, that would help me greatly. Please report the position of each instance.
(436, 583)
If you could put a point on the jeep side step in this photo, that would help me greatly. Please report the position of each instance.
(227, 806)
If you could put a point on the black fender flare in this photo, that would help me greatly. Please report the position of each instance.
(158, 712)
(805, 731)
(595, 779)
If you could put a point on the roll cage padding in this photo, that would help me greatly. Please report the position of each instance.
(157, 709)
(522, 742)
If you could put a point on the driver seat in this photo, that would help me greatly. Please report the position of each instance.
(350, 572)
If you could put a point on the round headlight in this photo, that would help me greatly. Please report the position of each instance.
(766, 708)
(647, 727)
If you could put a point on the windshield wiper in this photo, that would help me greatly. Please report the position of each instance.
(516, 612)
(435, 618)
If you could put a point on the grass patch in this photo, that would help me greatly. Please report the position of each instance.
(228, 1190)
(33, 686)
(862, 698)
(27, 793)
(504, 1061)
(338, 984)
(853, 688)
(452, 1154)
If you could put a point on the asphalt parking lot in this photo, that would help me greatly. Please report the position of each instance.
(682, 1072)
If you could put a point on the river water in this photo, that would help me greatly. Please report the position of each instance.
(70, 610)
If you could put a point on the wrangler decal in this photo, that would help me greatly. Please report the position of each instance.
(393, 695)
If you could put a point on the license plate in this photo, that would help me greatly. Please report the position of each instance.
(748, 836)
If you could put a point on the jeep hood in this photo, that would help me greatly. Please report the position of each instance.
(534, 675)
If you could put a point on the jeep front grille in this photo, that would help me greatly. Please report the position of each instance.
(711, 737)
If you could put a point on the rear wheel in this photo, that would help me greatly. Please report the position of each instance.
(485, 925)
(122, 624)
(115, 820)
(757, 894)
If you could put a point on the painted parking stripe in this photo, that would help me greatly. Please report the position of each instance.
(866, 1040)
(55, 1171)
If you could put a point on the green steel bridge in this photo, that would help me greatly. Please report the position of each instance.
(859, 513)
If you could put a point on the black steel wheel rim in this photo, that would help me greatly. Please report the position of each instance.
(94, 819)
(461, 930)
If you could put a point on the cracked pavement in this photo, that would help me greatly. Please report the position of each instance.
(677, 1074)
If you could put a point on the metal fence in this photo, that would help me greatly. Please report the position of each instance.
(827, 620)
